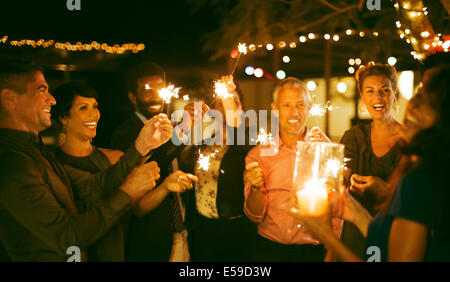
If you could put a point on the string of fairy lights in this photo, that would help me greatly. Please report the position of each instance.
(78, 46)
(412, 26)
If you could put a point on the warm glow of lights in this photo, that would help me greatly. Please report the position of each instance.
(281, 74)
(286, 59)
(406, 84)
(292, 45)
(258, 72)
(361, 34)
(203, 161)
(302, 38)
(311, 85)
(407, 31)
(336, 37)
(348, 31)
(392, 61)
(311, 36)
(375, 34)
(351, 70)
(252, 47)
(351, 62)
(186, 97)
(282, 44)
(327, 36)
(424, 34)
(269, 47)
(341, 87)
(398, 24)
(358, 61)
(249, 70)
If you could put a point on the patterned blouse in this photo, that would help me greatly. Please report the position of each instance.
(206, 188)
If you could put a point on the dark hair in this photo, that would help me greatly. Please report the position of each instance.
(65, 95)
(435, 60)
(141, 70)
(432, 145)
(13, 73)
(376, 69)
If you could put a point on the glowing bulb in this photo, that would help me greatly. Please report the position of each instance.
(292, 45)
(351, 62)
(281, 74)
(358, 61)
(286, 59)
(341, 87)
(252, 47)
(392, 61)
(351, 70)
(311, 85)
(258, 72)
(406, 84)
(362, 34)
(282, 44)
(398, 24)
(336, 37)
(302, 38)
(327, 36)
(424, 34)
(407, 31)
(249, 70)
(311, 36)
(269, 47)
(348, 31)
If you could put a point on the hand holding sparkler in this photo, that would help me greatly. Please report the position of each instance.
(196, 111)
(179, 181)
(316, 135)
(254, 175)
(155, 132)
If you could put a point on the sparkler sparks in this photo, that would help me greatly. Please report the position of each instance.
(333, 167)
(221, 90)
(318, 110)
(186, 97)
(168, 93)
(263, 138)
(242, 48)
(203, 161)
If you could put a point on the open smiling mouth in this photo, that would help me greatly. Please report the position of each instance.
(91, 125)
(378, 107)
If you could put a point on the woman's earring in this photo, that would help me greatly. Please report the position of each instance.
(62, 136)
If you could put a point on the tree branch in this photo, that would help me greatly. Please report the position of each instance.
(330, 5)
(319, 21)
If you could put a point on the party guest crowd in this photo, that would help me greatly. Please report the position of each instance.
(147, 199)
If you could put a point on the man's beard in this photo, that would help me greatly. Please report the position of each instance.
(142, 108)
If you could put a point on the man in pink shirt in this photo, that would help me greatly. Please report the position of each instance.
(268, 180)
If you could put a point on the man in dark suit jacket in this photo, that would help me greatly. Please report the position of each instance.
(149, 238)
(39, 213)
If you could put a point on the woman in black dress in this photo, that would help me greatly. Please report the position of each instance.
(371, 146)
(77, 112)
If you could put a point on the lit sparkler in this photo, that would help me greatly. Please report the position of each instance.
(203, 161)
(317, 110)
(221, 90)
(168, 93)
(242, 49)
(264, 138)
